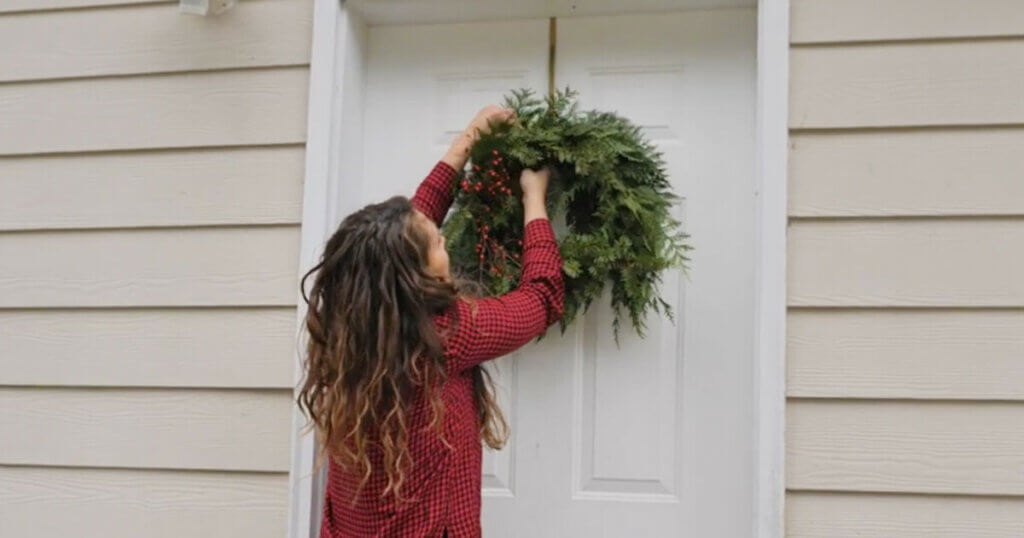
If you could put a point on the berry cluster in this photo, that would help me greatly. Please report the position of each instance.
(495, 180)
(490, 184)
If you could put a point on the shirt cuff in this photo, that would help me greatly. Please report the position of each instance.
(444, 169)
(536, 231)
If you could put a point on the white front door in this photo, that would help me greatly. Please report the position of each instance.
(651, 438)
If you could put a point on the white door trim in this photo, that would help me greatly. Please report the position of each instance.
(317, 207)
(330, 124)
(772, 151)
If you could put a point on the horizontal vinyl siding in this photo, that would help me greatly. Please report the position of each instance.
(854, 515)
(131, 503)
(919, 172)
(907, 84)
(16, 6)
(921, 353)
(188, 187)
(150, 267)
(181, 347)
(240, 430)
(219, 108)
(918, 262)
(832, 21)
(964, 447)
(904, 344)
(151, 170)
(125, 40)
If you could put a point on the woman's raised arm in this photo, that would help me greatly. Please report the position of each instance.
(434, 195)
(488, 328)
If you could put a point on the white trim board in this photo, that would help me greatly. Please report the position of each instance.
(333, 136)
(317, 207)
(772, 152)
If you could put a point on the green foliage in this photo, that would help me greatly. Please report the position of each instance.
(608, 184)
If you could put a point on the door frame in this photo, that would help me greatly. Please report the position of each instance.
(333, 130)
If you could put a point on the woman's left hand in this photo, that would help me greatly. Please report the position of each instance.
(486, 116)
(458, 152)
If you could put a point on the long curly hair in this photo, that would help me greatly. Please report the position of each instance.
(372, 344)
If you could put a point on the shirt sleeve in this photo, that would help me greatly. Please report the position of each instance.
(484, 329)
(434, 195)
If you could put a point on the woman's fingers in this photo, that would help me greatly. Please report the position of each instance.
(535, 181)
(490, 114)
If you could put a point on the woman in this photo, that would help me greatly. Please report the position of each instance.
(394, 384)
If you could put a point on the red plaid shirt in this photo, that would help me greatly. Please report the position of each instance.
(446, 481)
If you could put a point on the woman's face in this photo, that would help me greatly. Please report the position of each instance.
(437, 256)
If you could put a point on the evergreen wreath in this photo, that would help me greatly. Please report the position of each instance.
(608, 183)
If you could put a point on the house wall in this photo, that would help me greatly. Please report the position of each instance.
(151, 171)
(906, 332)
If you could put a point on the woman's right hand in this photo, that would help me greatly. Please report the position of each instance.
(534, 182)
(535, 186)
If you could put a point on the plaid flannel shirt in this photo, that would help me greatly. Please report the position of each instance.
(445, 482)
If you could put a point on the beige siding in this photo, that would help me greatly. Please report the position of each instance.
(150, 182)
(130, 503)
(908, 84)
(150, 267)
(923, 172)
(964, 447)
(168, 188)
(842, 515)
(915, 262)
(239, 430)
(960, 354)
(182, 347)
(15, 6)
(831, 21)
(133, 39)
(906, 318)
(219, 108)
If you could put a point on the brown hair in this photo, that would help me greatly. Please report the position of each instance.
(372, 343)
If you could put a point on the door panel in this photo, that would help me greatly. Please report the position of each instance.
(648, 438)
(664, 422)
